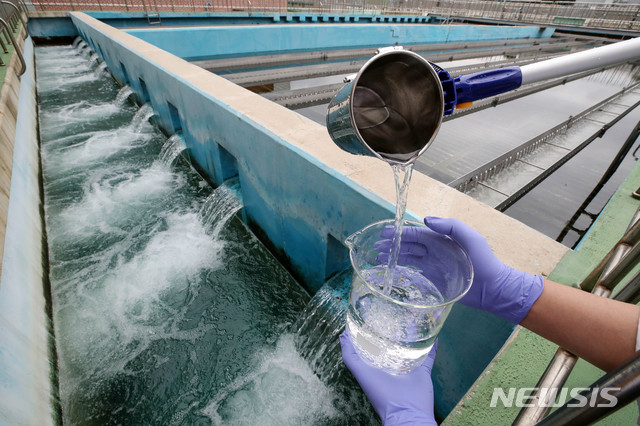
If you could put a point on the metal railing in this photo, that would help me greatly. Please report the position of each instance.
(611, 271)
(12, 19)
(163, 6)
(610, 16)
(606, 16)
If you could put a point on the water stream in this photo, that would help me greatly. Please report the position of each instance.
(402, 178)
(167, 310)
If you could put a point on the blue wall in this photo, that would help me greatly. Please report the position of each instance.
(27, 395)
(210, 42)
(132, 19)
(299, 206)
(48, 28)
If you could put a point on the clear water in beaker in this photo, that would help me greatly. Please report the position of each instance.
(395, 329)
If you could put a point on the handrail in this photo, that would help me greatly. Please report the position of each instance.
(621, 17)
(17, 10)
(615, 265)
(15, 46)
(622, 386)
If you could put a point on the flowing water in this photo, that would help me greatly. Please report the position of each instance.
(167, 310)
(402, 177)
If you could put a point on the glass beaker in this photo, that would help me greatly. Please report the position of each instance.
(396, 331)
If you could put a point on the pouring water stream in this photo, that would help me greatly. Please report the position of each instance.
(402, 177)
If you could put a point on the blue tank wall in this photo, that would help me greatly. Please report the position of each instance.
(51, 27)
(210, 42)
(168, 19)
(27, 396)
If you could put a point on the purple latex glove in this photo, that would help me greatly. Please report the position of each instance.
(399, 400)
(497, 288)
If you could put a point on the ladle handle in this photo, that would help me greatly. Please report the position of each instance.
(473, 87)
(600, 57)
(484, 84)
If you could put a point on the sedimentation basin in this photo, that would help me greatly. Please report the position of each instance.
(301, 194)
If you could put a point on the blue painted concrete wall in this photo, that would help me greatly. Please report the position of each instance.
(48, 28)
(27, 396)
(168, 19)
(210, 42)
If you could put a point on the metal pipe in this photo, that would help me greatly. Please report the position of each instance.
(630, 238)
(605, 396)
(7, 34)
(581, 61)
(4, 46)
(541, 402)
(629, 260)
(630, 293)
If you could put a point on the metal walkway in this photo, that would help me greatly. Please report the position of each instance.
(502, 181)
(343, 62)
(444, 51)
(318, 95)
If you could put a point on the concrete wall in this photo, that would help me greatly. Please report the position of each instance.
(224, 41)
(137, 18)
(303, 195)
(26, 370)
(45, 25)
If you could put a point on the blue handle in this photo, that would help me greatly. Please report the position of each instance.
(481, 85)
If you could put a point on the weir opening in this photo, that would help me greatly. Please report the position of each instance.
(167, 310)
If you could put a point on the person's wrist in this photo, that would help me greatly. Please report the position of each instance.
(525, 290)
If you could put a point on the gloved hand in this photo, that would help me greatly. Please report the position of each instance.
(497, 288)
(399, 400)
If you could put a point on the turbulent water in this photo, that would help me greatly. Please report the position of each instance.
(167, 310)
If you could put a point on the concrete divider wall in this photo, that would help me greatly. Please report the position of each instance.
(303, 195)
(27, 396)
(132, 18)
(225, 41)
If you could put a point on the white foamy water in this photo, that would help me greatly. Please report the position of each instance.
(282, 390)
(99, 146)
(59, 119)
(140, 120)
(62, 83)
(164, 313)
(93, 59)
(317, 331)
(101, 69)
(110, 202)
(127, 304)
(171, 149)
(123, 95)
(66, 68)
(219, 207)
